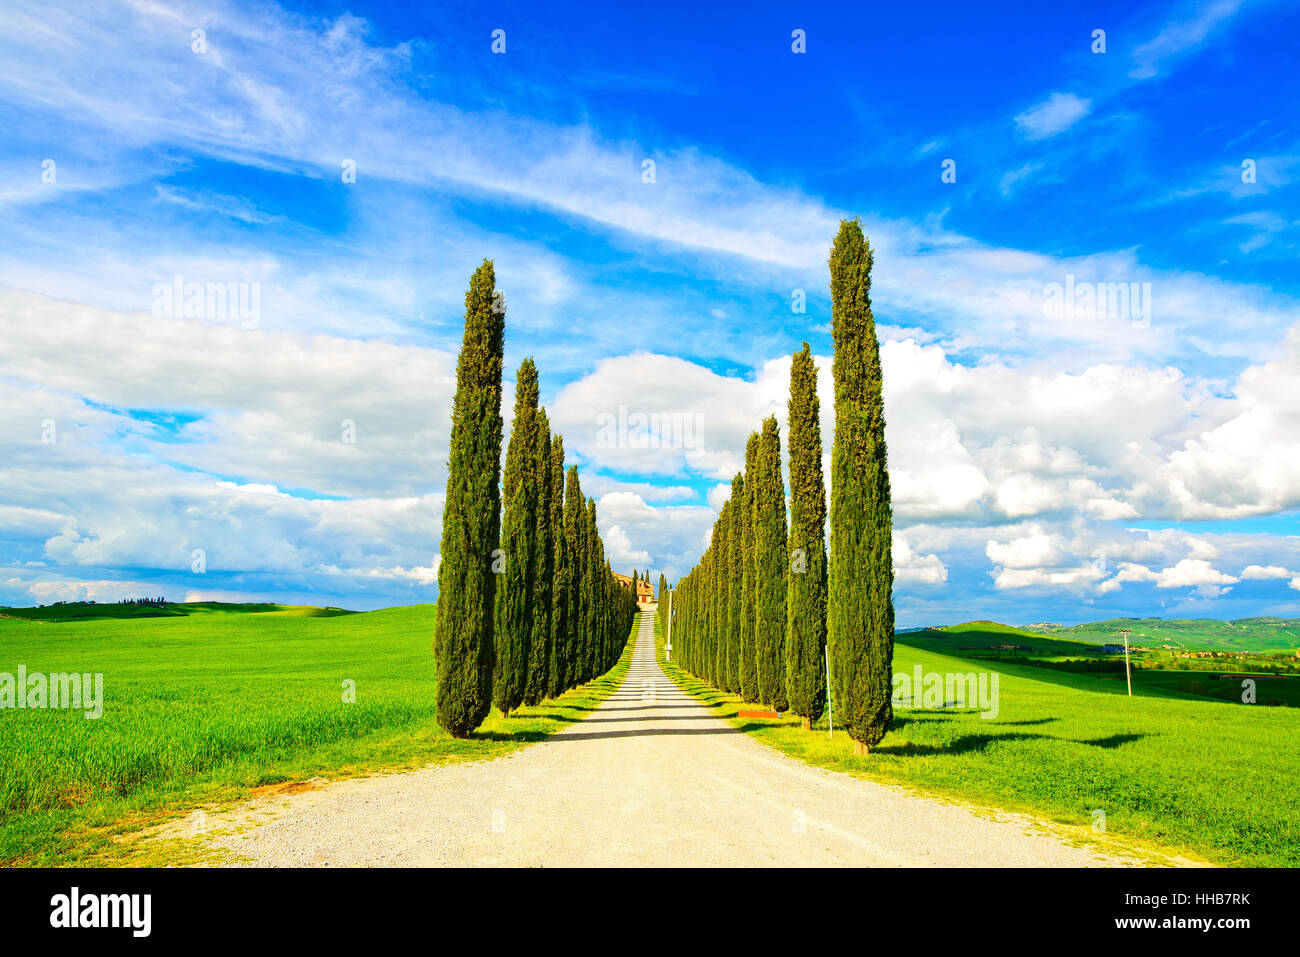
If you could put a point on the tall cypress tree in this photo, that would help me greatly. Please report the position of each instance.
(514, 600)
(735, 583)
(770, 560)
(562, 563)
(594, 564)
(575, 535)
(721, 584)
(709, 642)
(805, 619)
(539, 644)
(610, 591)
(860, 608)
(463, 635)
(748, 667)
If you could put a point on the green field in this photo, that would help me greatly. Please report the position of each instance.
(206, 704)
(84, 611)
(1169, 769)
(1193, 634)
(991, 637)
(1154, 670)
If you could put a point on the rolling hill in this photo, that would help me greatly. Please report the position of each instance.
(88, 611)
(1193, 634)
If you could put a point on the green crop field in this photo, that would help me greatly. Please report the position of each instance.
(1159, 670)
(1193, 634)
(211, 701)
(991, 637)
(1168, 768)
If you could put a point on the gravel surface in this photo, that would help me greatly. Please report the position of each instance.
(649, 778)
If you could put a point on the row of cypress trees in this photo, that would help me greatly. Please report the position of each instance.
(760, 611)
(528, 605)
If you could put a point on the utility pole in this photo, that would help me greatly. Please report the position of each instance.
(830, 706)
(668, 648)
(1128, 675)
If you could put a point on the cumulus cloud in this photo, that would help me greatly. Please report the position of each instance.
(1264, 572)
(209, 437)
(913, 568)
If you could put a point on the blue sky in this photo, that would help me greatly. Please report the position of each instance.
(1123, 457)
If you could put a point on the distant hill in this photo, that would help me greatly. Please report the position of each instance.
(991, 636)
(1242, 634)
(85, 611)
(1193, 634)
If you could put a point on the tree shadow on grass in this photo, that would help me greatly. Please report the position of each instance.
(570, 734)
(519, 737)
(1110, 742)
(649, 716)
(978, 742)
(924, 717)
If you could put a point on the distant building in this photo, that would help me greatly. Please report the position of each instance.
(644, 590)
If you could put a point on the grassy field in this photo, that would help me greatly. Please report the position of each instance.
(990, 641)
(1167, 768)
(1193, 634)
(992, 637)
(82, 611)
(206, 705)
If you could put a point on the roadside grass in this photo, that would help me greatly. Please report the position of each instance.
(1168, 770)
(211, 708)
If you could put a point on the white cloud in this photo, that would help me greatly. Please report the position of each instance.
(911, 567)
(1054, 115)
(1264, 572)
(1032, 550)
(1180, 36)
(1011, 177)
(1193, 573)
(246, 102)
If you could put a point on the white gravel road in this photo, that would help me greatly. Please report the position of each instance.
(649, 778)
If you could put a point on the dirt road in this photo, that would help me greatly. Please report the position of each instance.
(649, 778)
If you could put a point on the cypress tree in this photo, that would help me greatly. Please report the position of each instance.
(805, 636)
(611, 591)
(575, 541)
(735, 583)
(860, 609)
(562, 563)
(721, 581)
(770, 561)
(595, 564)
(748, 667)
(463, 632)
(514, 600)
(708, 613)
(539, 644)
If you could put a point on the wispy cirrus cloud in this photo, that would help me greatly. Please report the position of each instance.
(1181, 36)
(1054, 115)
